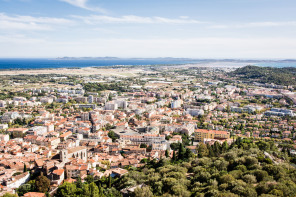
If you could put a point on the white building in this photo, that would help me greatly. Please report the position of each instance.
(176, 104)
(279, 112)
(38, 130)
(17, 181)
(4, 138)
(195, 112)
(2, 103)
(46, 100)
(111, 106)
(3, 126)
(90, 99)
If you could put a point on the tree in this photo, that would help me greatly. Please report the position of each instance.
(94, 190)
(112, 135)
(89, 179)
(112, 192)
(143, 192)
(67, 189)
(227, 178)
(202, 150)
(42, 183)
(260, 175)
(110, 97)
(174, 156)
(225, 146)
(167, 153)
(217, 148)
(79, 183)
(9, 195)
(181, 152)
(25, 168)
(143, 146)
(248, 178)
(109, 181)
(188, 154)
(211, 152)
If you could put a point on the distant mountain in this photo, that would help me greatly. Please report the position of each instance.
(87, 58)
(177, 59)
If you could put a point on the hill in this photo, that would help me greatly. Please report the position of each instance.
(280, 76)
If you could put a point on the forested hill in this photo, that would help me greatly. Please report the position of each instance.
(279, 76)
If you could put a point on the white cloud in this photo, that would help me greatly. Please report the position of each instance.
(19, 39)
(269, 24)
(30, 23)
(209, 47)
(94, 19)
(255, 25)
(83, 4)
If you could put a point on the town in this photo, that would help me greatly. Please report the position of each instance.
(69, 128)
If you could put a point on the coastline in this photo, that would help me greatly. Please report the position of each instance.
(119, 70)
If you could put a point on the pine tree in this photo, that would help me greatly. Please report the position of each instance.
(109, 181)
(202, 150)
(79, 183)
(167, 154)
(224, 146)
(211, 152)
(181, 152)
(174, 156)
(25, 168)
(217, 149)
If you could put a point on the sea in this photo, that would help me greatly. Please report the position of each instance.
(20, 64)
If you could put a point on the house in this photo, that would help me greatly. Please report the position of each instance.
(286, 134)
(130, 190)
(65, 136)
(58, 176)
(34, 194)
(75, 171)
(192, 148)
(119, 172)
(4, 138)
(17, 181)
(18, 132)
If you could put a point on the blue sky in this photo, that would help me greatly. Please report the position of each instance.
(155, 28)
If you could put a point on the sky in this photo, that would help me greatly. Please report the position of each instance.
(241, 29)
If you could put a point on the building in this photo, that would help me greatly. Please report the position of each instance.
(246, 109)
(17, 181)
(176, 104)
(111, 106)
(34, 194)
(84, 116)
(92, 106)
(58, 176)
(75, 171)
(3, 126)
(72, 153)
(195, 112)
(202, 134)
(4, 138)
(90, 99)
(80, 99)
(279, 112)
(37, 130)
(2, 104)
(18, 132)
(148, 139)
